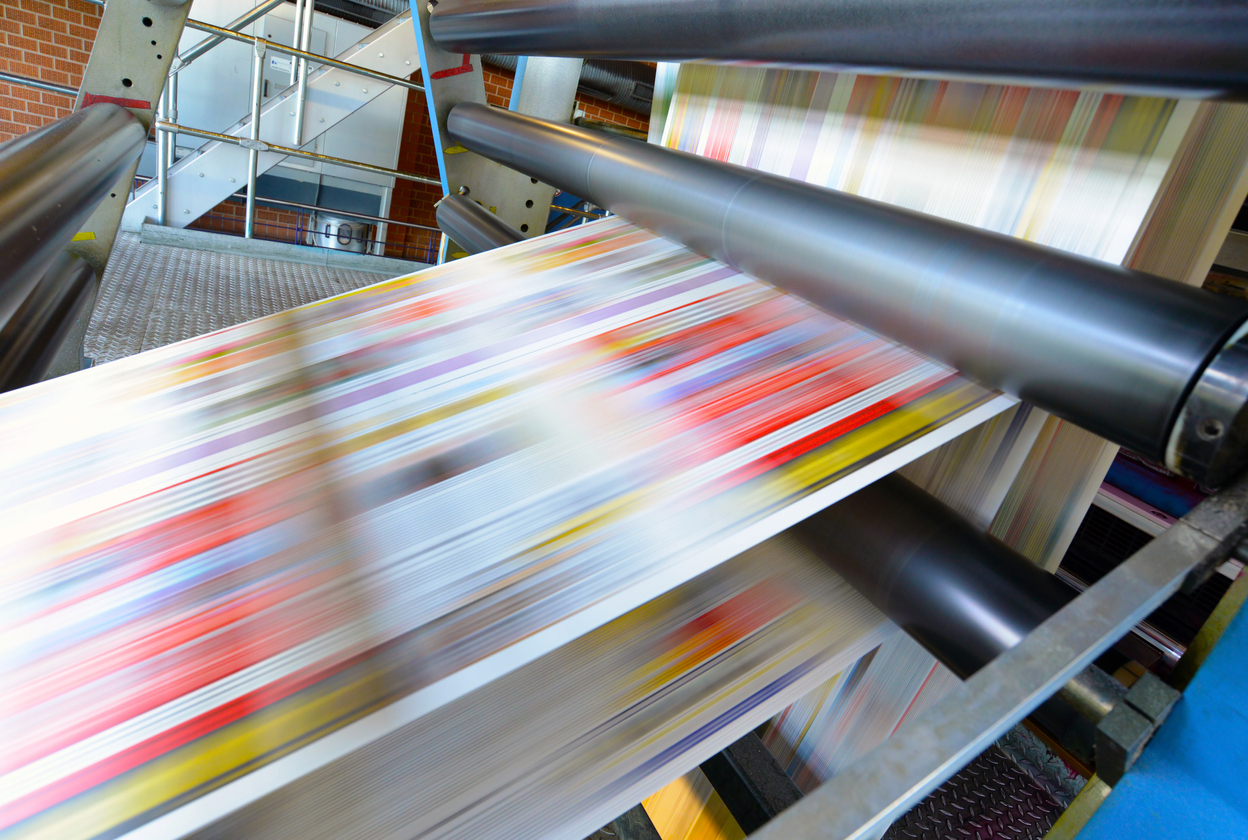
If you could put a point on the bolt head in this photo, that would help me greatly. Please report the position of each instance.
(336, 84)
(381, 55)
(201, 174)
(186, 212)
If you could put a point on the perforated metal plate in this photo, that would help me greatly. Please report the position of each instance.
(153, 295)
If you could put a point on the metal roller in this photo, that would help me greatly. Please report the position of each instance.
(967, 598)
(1151, 364)
(472, 227)
(1188, 46)
(51, 180)
(33, 336)
(961, 594)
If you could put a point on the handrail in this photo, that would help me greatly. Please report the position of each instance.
(14, 79)
(310, 56)
(261, 146)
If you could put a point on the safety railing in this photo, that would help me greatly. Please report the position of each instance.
(167, 126)
(423, 249)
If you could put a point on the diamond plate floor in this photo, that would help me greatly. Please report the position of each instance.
(152, 295)
(1015, 790)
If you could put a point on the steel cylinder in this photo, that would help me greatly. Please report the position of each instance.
(1188, 46)
(1113, 350)
(472, 227)
(31, 339)
(51, 180)
(961, 594)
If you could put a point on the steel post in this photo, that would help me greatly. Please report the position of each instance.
(295, 38)
(301, 95)
(164, 141)
(253, 153)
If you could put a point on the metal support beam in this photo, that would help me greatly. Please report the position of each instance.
(1118, 352)
(1193, 47)
(301, 94)
(454, 78)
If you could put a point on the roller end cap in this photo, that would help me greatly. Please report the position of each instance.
(1209, 442)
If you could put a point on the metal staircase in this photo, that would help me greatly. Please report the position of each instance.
(201, 181)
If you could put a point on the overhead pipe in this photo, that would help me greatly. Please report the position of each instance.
(51, 180)
(1193, 47)
(31, 339)
(1156, 366)
(472, 227)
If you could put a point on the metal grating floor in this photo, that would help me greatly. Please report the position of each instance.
(152, 295)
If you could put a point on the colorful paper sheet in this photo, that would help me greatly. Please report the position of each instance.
(220, 552)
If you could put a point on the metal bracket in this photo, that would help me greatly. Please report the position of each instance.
(453, 78)
(1123, 733)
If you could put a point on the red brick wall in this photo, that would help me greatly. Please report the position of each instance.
(412, 201)
(498, 84)
(49, 40)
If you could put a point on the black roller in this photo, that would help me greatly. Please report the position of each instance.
(472, 227)
(1116, 351)
(31, 339)
(961, 594)
(1190, 46)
